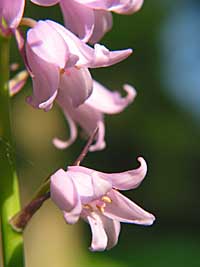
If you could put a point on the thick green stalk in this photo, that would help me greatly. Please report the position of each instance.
(12, 242)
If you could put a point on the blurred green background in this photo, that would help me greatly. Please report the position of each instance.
(162, 125)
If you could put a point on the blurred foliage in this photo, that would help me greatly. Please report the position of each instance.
(154, 126)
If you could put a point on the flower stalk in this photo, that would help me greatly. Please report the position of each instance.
(20, 220)
(12, 242)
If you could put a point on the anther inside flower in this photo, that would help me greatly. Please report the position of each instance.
(93, 196)
(98, 205)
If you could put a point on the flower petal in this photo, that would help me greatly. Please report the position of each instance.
(129, 179)
(11, 11)
(84, 186)
(130, 7)
(101, 4)
(48, 44)
(81, 169)
(124, 210)
(87, 117)
(122, 180)
(112, 101)
(89, 187)
(45, 78)
(76, 84)
(78, 18)
(45, 2)
(46, 53)
(22, 49)
(73, 216)
(99, 141)
(73, 135)
(100, 56)
(100, 186)
(102, 24)
(65, 195)
(118, 6)
(112, 229)
(99, 237)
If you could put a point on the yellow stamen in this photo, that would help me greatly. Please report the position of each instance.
(100, 208)
(62, 71)
(106, 199)
(88, 207)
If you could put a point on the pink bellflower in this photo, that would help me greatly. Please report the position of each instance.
(57, 59)
(91, 114)
(91, 19)
(93, 196)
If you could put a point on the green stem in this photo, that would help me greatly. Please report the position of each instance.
(12, 242)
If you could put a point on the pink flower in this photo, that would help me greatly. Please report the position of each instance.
(91, 114)
(11, 12)
(91, 19)
(94, 196)
(57, 59)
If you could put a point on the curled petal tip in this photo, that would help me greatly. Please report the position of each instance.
(143, 166)
(141, 159)
(37, 102)
(60, 144)
(97, 147)
(47, 105)
(131, 92)
(100, 143)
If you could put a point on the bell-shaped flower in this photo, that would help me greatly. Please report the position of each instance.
(91, 19)
(57, 59)
(94, 196)
(11, 12)
(91, 114)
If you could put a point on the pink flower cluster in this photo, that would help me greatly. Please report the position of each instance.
(58, 59)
